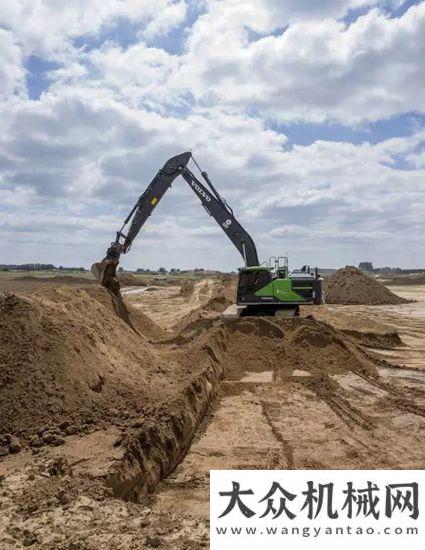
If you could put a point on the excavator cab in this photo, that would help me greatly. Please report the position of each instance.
(252, 279)
(273, 290)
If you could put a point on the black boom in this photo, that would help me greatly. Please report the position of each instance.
(213, 203)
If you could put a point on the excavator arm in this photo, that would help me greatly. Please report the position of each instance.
(214, 204)
(217, 207)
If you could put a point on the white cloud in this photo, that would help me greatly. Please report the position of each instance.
(12, 74)
(78, 141)
(314, 71)
(74, 161)
(46, 28)
(169, 16)
(84, 148)
(264, 16)
(136, 74)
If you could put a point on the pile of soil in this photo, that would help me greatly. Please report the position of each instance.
(69, 355)
(186, 289)
(278, 344)
(351, 286)
(73, 358)
(134, 318)
(76, 356)
(302, 350)
(211, 309)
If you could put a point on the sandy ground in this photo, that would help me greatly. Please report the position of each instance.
(406, 319)
(264, 417)
(262, 423)
(165, 305)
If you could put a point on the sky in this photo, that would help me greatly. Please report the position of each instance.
(307, 116)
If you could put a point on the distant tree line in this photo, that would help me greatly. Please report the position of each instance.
(38, 267)
(396, 271)
(368, 266)
(177, 271)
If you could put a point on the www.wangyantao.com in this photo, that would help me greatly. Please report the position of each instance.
(315, 532)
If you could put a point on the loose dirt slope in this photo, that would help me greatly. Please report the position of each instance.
(350, 286)
(283, 346)
(66, 355)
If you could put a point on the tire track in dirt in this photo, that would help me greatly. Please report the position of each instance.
(350, 415)
(267, 410)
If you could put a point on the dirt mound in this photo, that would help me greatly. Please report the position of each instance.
(281, 346)
(133, 317)
(186, 289)
(350, 286)
(81, 357)
(67, 356)
(209, 310)
(377, 340)
(321, 349)
(217, 304)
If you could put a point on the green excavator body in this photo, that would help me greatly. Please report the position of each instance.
(267, 289)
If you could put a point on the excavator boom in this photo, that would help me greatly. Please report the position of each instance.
(214, 204)
(262, 290)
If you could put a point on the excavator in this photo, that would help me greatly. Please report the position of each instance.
(263, 289)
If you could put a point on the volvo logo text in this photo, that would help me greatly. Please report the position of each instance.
(200, 191)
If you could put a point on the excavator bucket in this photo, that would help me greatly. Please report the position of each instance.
(106, 273)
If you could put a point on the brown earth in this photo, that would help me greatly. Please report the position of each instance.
(76, 356)
(213, 306)
(137, 377)
(28, 283)
(187, 288)
(168, 306)
(72, 356)
(351, 286)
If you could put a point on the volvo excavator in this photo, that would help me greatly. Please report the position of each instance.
(263, 289)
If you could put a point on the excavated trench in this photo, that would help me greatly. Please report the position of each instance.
(158, 447)
(248, 355)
